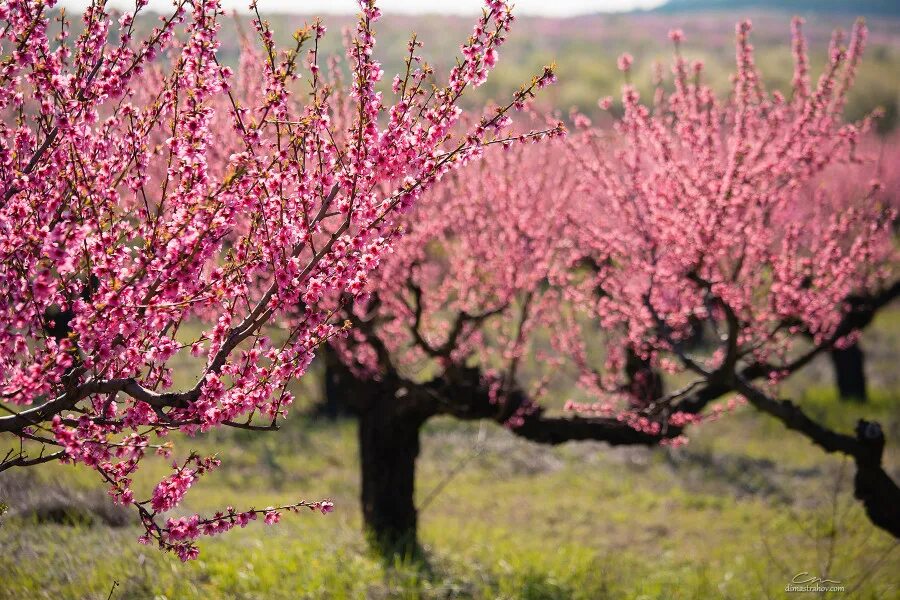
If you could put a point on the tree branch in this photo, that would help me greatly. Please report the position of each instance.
(130, 386)
(878, 493)
(22, 460)
(462, 393)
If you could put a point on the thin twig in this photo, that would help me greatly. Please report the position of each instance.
(477, 449)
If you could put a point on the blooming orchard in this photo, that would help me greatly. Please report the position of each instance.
(146, 188)
(705, 236)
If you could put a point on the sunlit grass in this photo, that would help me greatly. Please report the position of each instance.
(737, 513)
(579, 521)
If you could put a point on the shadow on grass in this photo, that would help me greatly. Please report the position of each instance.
(39, 502)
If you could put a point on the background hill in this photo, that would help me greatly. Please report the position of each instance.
(585, 48)
(867, 8)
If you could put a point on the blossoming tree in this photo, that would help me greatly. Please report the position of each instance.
(145, 188)
(693, 214)
(722, 214)
(464, 282)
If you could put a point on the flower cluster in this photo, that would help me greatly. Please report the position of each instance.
(178, 535)
(467, 279)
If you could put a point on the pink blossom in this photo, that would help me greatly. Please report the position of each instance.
(145, 185)
(170, 491)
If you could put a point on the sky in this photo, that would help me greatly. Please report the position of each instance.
(556, 8)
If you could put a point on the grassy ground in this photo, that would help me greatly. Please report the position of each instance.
(735, 514)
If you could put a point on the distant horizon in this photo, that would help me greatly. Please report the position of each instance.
(541, 8)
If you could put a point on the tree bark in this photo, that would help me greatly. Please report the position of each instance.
(645, 384)
(388, 448)
(335, 374)
(872, 485)
(849, 372)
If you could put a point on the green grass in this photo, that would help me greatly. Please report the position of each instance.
(735, 514)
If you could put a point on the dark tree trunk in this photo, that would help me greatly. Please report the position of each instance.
(336, 378)
(389, 420)
(645, 384)
(849, 372)
(388, 448)
(872, 485)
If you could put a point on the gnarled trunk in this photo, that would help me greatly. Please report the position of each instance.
(849, 372)
(872, 485)
(388, 448)
(389, 420)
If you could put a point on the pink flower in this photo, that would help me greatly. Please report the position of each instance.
(187, 552)
(490, 57)
(170, 491)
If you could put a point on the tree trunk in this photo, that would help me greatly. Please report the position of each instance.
(388, 447)
(389, 420)
(872, 485)
(849, 371)
(336, 379)
(645, 384)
